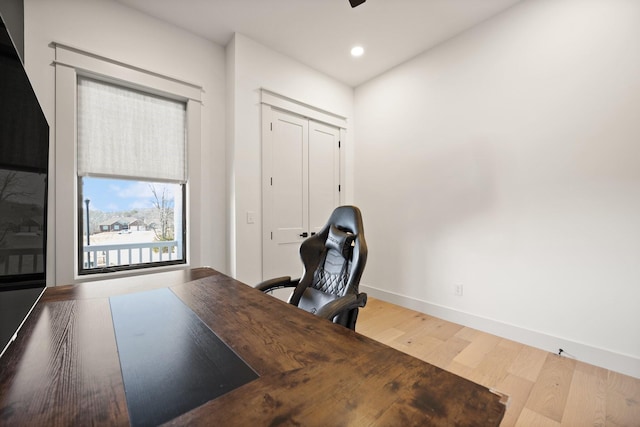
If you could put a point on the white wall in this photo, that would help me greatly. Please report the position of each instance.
(507, 160)
(115, 31)
(255, 66)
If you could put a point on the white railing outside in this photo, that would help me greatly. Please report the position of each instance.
(113, 255)
(31, 260)
(21, 261)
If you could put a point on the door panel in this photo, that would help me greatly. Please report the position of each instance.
(287, 195)
(324, 173)
(290, 178)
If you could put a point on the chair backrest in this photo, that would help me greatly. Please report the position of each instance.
(333, 260)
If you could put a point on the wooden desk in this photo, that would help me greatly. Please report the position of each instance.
(64, 368)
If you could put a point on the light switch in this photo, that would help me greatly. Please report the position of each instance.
(251, 217)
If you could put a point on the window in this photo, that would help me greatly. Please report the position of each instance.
(74, 174)
(131, 154)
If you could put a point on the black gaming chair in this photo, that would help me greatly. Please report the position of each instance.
(333, 259)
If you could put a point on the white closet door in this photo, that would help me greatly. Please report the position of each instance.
(301, 178)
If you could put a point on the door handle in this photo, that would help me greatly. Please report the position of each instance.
(305, 234)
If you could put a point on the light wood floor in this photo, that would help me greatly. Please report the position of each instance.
(544, 388)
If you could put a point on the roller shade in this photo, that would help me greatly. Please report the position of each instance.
(129, 134)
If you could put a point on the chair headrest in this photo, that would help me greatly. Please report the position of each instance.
(340, 241)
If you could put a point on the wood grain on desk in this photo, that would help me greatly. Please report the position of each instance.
(64, 368)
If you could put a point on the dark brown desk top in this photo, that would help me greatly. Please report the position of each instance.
(64, 368)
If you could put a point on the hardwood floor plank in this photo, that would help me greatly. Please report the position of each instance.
(415, 347)
(549, 395)
(475, 352)
(381, 315)
(468, 334)
(587, 397)
(518, 390)
(378, 315)
(528, 363)
(423, 325)
(493, 369)
(444, 330)
(623, 400)
(529, 418)
(415, 321)
(387, 335)
(460, 369)
(443, 354)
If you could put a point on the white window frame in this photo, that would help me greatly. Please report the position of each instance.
(69, 63)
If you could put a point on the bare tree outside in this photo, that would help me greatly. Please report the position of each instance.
(164, 205)
(12, 188)
(22, 218)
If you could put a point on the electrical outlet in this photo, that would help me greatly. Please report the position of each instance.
(457, 289)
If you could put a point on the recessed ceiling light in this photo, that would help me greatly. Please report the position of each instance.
(357, 51)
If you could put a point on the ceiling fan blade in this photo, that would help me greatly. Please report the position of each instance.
(355, 3)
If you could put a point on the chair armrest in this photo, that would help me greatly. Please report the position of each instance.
(277, 283)
(344, 303)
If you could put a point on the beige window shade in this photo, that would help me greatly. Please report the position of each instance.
(129, 134)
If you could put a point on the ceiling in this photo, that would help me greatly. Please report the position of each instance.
(320, 33)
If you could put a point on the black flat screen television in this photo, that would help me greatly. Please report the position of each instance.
(24, 154)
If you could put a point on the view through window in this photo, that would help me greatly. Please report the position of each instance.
(22, 225)
(130, 224)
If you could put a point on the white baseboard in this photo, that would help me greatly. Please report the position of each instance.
(622, 363)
